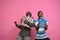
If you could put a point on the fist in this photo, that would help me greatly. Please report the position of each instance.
(15, 22)
(38, 24)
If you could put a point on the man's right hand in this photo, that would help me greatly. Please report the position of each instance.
(37, 27)
(15, 22)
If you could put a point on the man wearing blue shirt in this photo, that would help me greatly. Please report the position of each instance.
(41, 27)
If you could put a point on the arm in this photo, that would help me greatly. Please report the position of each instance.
(24, 23)
(37, 26)
(16, 24)
(46, 26)
(31, 24)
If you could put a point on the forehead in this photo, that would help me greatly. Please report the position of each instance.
(40, 13)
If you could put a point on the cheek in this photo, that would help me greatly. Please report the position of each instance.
(39, 15)
(29, 15)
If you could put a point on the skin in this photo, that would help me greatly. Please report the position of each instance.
(40, 14)
(15, 22)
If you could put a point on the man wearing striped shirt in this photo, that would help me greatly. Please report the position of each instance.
(41, 27)
(27, 22)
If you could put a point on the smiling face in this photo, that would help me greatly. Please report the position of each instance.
(40, 14)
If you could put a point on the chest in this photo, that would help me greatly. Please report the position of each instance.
(42, 22)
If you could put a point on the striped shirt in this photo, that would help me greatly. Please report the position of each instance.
(29, 19)
(25, 31)
(41, 33)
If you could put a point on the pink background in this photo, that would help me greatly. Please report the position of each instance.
(13, 10)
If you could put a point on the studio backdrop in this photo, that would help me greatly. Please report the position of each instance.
(14, 10)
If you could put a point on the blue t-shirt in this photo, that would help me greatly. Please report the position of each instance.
(41, 33)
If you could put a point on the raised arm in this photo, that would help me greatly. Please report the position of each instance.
(24, 23)
(16, 24)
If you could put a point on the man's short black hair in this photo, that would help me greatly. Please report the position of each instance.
(28, 13)
(40, 11)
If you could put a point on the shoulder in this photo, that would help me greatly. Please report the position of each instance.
(23, 17)
(32, 17)
(36, 20)
(45, 19)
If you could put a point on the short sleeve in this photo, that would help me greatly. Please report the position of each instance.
(36, 22)
(47, 22)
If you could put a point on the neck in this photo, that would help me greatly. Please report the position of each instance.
(39, 17)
